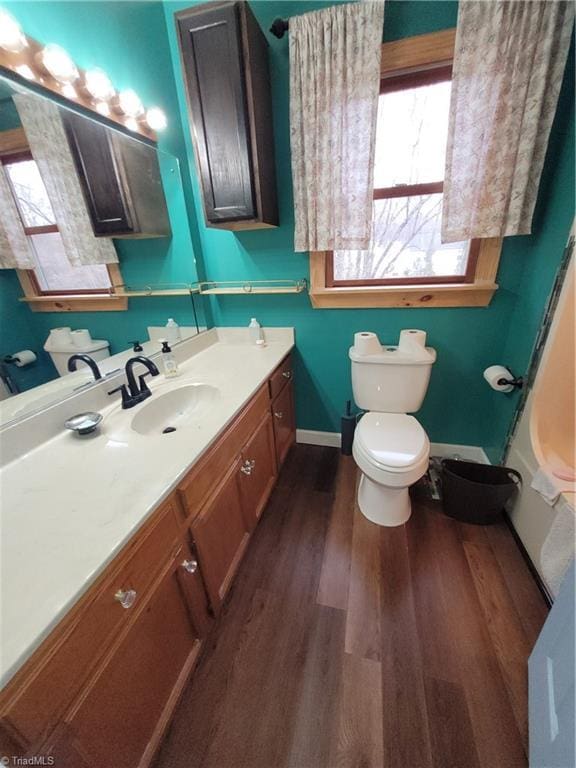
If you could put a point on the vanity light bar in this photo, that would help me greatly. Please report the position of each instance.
(52, 67)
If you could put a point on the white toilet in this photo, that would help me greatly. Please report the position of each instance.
(390, 447)
(62, 343)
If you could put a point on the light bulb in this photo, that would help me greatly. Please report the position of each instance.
(69, 91)
(156, 119)
(132, 124)
(130, 103)
(11, 36)
(103, 108)
(59, 64)
(98, 84)
(24, 71)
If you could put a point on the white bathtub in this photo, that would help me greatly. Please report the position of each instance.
(545, 439)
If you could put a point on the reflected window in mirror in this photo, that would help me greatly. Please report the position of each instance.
(53, 274)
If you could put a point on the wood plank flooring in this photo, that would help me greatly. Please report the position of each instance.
(347, 645)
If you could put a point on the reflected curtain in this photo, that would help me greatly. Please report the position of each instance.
(334, 88)
(48, 143)
(15, 248)
(509, 61)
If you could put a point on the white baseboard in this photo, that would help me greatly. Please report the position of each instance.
(312, 437)
(444, 450)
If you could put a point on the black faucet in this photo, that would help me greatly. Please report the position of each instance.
(135, 392)
(73, 362)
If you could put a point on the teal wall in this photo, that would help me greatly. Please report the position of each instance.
(459, 407)
(128, 40)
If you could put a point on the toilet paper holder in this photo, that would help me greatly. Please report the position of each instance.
(515, 381)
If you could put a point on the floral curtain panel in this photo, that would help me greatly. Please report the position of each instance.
(48, 143)
(509, 61)
(334, 87)
(15, 248)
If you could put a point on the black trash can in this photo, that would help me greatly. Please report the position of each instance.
(477, 493)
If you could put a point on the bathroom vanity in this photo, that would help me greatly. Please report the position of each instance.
(134, 558)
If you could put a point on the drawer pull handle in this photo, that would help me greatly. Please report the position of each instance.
(279, 414)
(287, 374)
(248, 466)
(190, 565)
(126, 598)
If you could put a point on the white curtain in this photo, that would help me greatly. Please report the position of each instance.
(509, 61)
(48, 143)
(334, 87)
(15, 248)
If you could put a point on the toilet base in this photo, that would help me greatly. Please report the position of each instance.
(383, 505)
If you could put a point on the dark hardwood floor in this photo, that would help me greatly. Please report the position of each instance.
(347, 645)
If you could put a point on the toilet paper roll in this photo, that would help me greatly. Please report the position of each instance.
(494, 374)
(24, 357)
(410, 338)
(61, 336)
(81, 338)
(366, 343)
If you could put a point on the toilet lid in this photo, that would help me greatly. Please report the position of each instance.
(392, 440)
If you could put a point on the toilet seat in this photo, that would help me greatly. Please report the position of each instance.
(391, 448)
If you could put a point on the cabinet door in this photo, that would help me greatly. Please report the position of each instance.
(99, 175)
(258, 471)
(284, 426)
(120, 716)
(213, 71)
(220, 535)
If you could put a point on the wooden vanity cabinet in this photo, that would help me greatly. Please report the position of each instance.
(122, 712)
(75, 697)
(224, 57)
(246, 460)
(101, 689)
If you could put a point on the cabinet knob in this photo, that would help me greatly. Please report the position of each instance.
(190, 565)
(287, 374)
(248, 466)
(126, 597)
(279, 414)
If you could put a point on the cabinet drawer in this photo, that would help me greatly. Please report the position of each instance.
(281, 376)
(52, 680)
(214, 465)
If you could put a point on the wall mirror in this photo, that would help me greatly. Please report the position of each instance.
(95, 249)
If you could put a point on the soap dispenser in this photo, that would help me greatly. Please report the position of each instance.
(169, 361)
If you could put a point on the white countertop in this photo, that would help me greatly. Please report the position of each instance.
(70, 505)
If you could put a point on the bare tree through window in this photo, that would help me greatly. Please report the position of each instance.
(408, 177)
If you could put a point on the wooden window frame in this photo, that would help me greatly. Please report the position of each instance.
(403, 58)
(14, 144)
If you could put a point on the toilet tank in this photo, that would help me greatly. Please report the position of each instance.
(391, 379)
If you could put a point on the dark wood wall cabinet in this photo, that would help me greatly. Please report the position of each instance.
(120, 180)
(224, 57)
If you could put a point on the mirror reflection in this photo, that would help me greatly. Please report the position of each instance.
(96, 254)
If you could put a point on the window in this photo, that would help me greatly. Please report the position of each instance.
(406, 263)
(53, 274)
(411, 138)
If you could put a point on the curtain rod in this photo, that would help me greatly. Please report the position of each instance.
(279, 28)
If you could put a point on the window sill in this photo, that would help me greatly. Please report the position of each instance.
(97, 303)
(476, 294)
(418, 296)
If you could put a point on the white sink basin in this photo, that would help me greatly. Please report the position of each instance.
(174, 409)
